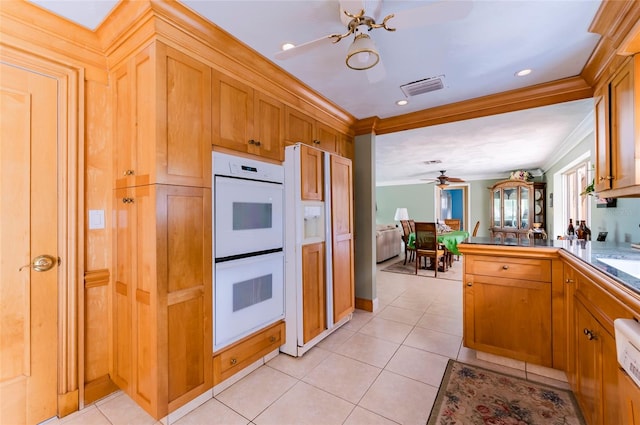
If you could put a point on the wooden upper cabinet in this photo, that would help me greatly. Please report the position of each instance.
(311, 174)
(245, 119)
(162, 127)
(603, 153)
(326, 138)
(617, 111)
(301, 128)
(346, 147)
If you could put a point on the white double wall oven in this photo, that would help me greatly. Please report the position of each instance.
(248, 242)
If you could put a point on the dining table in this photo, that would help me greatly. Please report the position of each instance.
(450, 240)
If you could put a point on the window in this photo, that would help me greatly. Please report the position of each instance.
(576, 205)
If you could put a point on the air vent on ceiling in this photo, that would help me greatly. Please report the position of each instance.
(423, 86)
(433, 161)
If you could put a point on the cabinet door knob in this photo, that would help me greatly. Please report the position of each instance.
(233, 361)
(272, 338)
(316, 142)
(127, 200)
(129, 173)
(505, 267)
(605, 178)
(252, 142)
(569, 280)
(469, 284)
(590, 335)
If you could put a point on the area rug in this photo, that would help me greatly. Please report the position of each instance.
(474, 395)
(452, 273)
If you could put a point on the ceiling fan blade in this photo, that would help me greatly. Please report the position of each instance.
(455, 180)
(305, 47)
(433, 13)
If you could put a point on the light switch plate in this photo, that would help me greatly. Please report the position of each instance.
(96, 219)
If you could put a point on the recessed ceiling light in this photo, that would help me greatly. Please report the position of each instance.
(287, 46)
(523, 72)
(402, 102)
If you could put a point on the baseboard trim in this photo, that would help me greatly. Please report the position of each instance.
(98, 388)
(68, 403)
(366, 305)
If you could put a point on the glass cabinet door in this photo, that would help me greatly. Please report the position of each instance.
(510, 207)
(524, 208)
(497, 208)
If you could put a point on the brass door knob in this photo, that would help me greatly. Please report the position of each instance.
(42, 263)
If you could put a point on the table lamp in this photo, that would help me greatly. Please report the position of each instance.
(401, 214)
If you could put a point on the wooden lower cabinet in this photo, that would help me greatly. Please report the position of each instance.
(162, 333)
(525, 335)
(497, 288)
(592, 368)
(597, 368)
(314, 309)
(243, 353)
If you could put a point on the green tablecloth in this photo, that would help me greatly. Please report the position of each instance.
(450, 240)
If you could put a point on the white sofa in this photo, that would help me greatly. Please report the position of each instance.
(388, 241)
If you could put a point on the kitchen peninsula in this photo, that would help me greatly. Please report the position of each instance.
(552, 303)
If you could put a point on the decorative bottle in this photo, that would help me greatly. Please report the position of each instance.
(587, 231)
(580, 229)
(570, 229)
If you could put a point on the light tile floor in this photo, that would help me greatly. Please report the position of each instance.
(380, 368)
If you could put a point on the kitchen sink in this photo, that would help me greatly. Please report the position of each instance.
(630, 267)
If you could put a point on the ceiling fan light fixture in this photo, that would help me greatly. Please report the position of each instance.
(442, 185)
(362, 53)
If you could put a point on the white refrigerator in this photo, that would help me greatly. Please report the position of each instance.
(307, 222)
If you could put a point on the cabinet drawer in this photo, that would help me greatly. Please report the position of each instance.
(236, 357)
(515, 268)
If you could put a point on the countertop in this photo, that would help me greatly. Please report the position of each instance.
(588, 251)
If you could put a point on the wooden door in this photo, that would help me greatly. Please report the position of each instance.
(311, 174)
(342, 237)
(29, 223)
(313, 291)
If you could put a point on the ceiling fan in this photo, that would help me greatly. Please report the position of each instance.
(360, 16)
(443, 180)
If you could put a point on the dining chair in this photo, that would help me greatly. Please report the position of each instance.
(453, 223)
(409, 252)
(475, 229)
(427, 246)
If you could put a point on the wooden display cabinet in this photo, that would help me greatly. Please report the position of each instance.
(512, 209)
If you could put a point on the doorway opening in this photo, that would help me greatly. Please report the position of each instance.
(453, 202)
